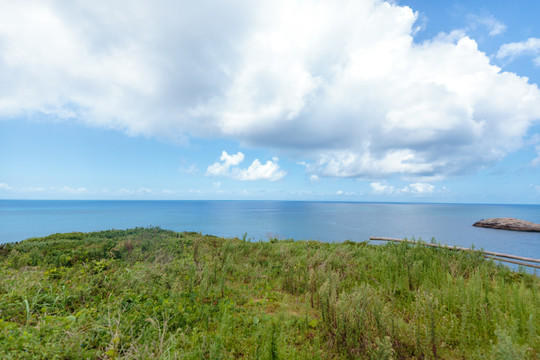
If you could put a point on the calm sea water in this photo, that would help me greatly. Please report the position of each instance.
(326, 221)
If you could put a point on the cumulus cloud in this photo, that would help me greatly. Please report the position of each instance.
(529, 47)
(380, 188)
(256, 171)
(340, 84)
(4, 186)
(227, 161)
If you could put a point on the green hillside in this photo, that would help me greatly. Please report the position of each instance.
(152, 293)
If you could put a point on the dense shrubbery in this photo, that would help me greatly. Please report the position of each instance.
(145, 293)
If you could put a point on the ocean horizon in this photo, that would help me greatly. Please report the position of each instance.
(261, 220)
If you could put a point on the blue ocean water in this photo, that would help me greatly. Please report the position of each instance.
(326, 221)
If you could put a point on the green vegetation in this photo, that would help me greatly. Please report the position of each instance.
(151, 293)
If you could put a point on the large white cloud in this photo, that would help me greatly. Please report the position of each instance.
(340, 84)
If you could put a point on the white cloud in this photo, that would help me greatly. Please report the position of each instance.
(421, 188)
(536, 161)
(256, 171)
(141, 191)
(341, 84)
(381, 188)
(34, 189)
(144, 190)
(192, 169)
(222, 168)
(349, 193)
(71, 190)
(4, 186)
(124, 192)
(314, 178)
(416, 188)
(513, 50)
(493, 26)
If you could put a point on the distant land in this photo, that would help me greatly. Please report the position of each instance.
(507, 223)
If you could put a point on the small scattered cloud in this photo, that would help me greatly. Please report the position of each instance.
(141, 190)
(71, 190)
(83, 191)
(227, 166)
(349, 193)
(314, 178)
(257, 171)
(420, 24)
(124, 192)
(529, 47)
(421, 188)
(492, 25)
(192, 169)
(227, 161)
(381, 188)
(144, 190)
(536, 161)
(35, 189)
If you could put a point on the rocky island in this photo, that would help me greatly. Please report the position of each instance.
(508, 224)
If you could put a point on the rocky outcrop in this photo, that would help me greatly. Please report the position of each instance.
(508, 224)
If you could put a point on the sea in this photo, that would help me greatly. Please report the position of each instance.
(449, 224)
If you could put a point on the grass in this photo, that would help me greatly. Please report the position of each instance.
(152, 293)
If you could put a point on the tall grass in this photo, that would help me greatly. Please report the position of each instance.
(151, 293)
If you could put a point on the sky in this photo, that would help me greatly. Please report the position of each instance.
(323, 100)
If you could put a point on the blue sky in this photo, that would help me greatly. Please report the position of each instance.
(365, 100)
